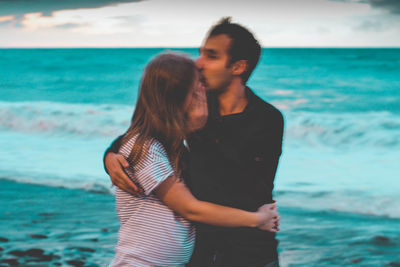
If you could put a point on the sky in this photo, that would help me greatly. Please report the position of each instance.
(184, 23)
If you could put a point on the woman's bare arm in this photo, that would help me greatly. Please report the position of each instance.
(177, 196)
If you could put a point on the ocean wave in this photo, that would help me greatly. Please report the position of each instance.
(64, 119)
(350, 201)
(101, 187)
(337, 130)
(343, 130)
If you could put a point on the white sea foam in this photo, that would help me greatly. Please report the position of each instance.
(339, 130)
(350, 201)
(331, 161)
(343, 130)
(53, 118)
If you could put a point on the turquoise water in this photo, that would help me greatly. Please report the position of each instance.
(340, 80)
(60, 109)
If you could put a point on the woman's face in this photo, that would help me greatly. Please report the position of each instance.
(196, 106)
(191, 97)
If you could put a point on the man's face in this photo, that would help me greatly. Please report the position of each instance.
(213, 62)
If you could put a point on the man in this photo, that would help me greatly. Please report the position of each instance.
(233, 159)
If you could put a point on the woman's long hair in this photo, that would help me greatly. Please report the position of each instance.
(159, 112)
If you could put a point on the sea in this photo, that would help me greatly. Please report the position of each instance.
(338, 180)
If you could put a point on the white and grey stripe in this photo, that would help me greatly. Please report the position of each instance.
(150, 234)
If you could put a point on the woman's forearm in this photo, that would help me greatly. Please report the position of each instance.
(178, 197)
(209, 213)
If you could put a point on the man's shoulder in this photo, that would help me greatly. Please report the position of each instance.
(266, 109)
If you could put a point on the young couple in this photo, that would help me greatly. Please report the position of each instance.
(196, 170)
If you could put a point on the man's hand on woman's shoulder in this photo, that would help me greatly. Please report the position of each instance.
(115, 164)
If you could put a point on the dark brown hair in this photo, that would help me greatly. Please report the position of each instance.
(159, 113)
(244, 46)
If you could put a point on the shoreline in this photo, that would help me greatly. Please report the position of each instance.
(52, 226)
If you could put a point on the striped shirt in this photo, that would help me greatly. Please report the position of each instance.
(150, 233)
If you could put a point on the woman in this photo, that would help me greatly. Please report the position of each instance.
(155, 230)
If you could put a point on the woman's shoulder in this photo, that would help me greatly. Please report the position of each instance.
(156, 150)
(153, 147)
(127, 145)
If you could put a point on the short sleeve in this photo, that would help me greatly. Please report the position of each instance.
(154, 169)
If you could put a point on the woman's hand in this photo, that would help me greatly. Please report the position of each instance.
(269, 218)
(198, 109)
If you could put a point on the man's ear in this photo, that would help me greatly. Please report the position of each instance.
(239, 67)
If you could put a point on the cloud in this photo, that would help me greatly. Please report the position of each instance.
(183, 23)
(323, 30)
(20, 7)
(6, 18)
(72, 15)
(68, 26)
(393, 6)
(370, 26)
(84, 21)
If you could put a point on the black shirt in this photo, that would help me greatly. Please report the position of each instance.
(233, 161)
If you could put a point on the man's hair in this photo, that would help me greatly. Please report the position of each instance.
(244, 45)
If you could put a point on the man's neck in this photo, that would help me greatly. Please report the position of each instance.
(233, 100)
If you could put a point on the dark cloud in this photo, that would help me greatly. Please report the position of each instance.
(393, 6)
(21, 7)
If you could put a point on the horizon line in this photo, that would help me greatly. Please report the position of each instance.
(193, 47)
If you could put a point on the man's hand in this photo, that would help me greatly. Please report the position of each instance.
(198, 109)
(114, 164)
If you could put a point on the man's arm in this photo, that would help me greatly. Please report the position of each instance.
(275, 148)
(114, 165)
(115, 145)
